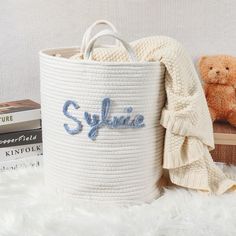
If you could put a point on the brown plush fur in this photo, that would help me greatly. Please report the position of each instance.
(219, 76)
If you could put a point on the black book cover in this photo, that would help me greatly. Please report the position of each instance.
(20, 138)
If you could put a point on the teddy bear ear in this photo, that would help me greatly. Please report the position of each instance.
(201, 60)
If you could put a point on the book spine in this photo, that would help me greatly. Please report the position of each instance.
(21, 116)
(34, 161)
(20, 138)
(20, 152)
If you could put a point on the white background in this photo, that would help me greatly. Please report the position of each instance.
(26, 26)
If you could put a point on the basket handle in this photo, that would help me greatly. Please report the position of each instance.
(89, 50)
(88, 32)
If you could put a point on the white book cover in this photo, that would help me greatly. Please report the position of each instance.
(32, 161)
(19, 152)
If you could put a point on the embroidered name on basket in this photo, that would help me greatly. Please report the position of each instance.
(104, 119)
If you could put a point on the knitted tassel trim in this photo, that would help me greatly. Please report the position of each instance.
(183, 124)
(192, 180)
(190, 150)
(203, 175)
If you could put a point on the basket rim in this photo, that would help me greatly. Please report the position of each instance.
(48, 53)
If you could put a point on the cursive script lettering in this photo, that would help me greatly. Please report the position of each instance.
(97, 121)
(79, 126)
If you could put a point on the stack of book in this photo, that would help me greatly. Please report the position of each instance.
(225, 143)
(20, 135)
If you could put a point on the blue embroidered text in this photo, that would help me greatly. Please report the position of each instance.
(79, 127)
(96, 121)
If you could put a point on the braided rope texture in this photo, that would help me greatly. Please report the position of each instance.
(122, 166)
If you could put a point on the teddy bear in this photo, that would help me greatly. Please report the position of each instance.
(219, 76)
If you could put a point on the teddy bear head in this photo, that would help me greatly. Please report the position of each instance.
(218, 69)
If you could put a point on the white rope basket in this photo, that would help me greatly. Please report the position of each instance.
(111, 158)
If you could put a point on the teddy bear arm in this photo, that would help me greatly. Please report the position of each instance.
(232, 117)
(206, 90)
(213, 114)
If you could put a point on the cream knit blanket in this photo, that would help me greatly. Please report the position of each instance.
(189, 134)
